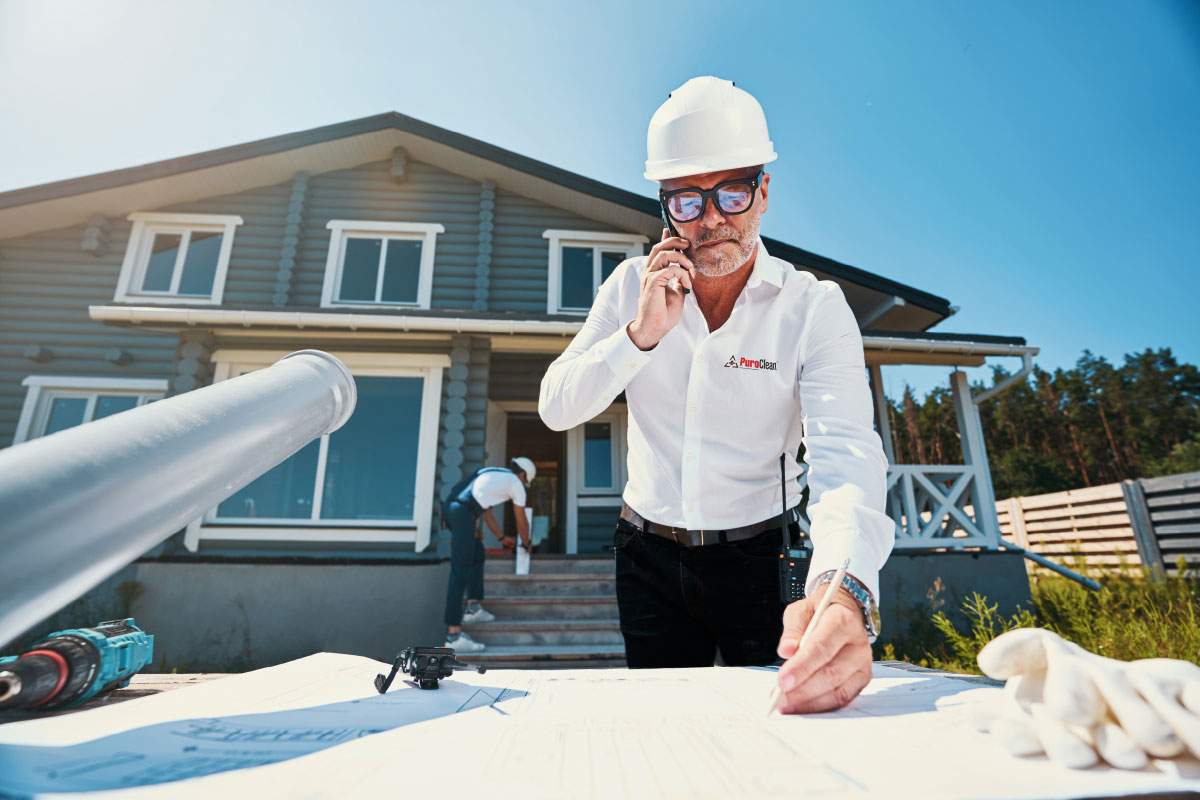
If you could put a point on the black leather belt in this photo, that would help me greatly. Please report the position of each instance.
(701, 538)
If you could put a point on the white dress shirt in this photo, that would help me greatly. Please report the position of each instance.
(711, 412)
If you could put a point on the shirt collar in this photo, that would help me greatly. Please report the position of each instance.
(765, 269)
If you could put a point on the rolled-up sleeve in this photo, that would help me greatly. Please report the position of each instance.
(847, 475)
(596, 367)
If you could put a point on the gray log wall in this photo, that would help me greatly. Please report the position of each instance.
(492, 257)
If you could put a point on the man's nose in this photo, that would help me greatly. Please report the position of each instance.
(712, 216)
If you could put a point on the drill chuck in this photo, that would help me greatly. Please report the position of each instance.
(10, 685)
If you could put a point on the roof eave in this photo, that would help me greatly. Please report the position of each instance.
(938, 306)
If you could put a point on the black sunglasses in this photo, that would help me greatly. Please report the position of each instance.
(732, 197)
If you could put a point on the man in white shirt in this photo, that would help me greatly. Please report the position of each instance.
(722, 380)
(469, 501)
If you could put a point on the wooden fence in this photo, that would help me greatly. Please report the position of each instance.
(1150, 521)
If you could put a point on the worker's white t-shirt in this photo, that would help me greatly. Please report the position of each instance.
(493, 488)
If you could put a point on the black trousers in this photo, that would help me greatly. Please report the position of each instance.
(466, 562)
(680, 605)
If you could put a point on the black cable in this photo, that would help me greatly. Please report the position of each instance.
(783, 527)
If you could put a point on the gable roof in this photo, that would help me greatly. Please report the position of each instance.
(276, 159)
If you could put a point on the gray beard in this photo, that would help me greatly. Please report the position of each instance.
(712, 264)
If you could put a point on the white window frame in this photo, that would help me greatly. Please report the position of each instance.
(137, 256)
(631, 243)
(230, 363)
(342, 229)
(579, 497)
(616, 422)
(41, 390)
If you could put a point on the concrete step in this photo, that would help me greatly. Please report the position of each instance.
(550, 584)
(526, 607)
(544, 657)
(547, 632)
(552, 563)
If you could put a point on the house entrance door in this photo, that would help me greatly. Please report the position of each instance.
(528, 436)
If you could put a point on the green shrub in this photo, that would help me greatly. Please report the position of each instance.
(1132, 616)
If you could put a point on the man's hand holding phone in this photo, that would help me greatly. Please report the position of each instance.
(659, 305)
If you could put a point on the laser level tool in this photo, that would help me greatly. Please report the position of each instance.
(426, 664)
(73, 666)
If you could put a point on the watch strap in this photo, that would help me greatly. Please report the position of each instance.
(866, 601)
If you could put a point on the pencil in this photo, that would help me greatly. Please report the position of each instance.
(826, 599)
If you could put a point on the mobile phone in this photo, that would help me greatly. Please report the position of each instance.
(673, 283)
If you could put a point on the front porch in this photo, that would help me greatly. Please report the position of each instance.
(475, 383)
(936, 507)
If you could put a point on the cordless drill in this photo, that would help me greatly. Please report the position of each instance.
(73, 666)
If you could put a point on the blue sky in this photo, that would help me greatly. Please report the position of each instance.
(1035, 162)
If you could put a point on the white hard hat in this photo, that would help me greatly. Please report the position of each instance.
(706, 125)
(526, 466)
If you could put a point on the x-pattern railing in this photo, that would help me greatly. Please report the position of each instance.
(933, 506)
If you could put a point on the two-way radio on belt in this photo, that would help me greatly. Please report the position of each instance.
(793, 561)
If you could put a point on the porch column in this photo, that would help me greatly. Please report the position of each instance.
(970, 428)
(192, 365)
(475, 432)
(463, 425)
(883, 422)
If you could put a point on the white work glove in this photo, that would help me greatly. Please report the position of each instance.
(1076, 706)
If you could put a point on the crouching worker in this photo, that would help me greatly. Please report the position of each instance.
(469, 501)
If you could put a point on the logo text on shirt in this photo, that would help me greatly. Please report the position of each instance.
(741, 362)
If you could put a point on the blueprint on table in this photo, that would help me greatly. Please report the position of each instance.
(178, 749)
(312, 729)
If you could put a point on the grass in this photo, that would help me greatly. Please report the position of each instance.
(1132, 616)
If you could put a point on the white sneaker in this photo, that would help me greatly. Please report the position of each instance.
(482, 615)
(465, 644)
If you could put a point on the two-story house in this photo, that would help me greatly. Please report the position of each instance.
(446, 273)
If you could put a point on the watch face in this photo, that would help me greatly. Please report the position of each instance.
(876, 620)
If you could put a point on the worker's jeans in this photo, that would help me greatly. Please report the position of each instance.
(679, 605)
(466, 562)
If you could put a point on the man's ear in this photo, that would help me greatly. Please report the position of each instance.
(762, 187)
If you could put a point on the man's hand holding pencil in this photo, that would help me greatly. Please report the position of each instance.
(828, 656)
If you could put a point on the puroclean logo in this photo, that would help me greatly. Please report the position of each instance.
(741, 362)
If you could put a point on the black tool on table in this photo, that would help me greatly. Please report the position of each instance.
(426, 665)
(793, 561)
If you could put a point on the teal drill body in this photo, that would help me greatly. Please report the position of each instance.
(72, 666)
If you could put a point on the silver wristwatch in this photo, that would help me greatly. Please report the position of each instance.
(870, 610)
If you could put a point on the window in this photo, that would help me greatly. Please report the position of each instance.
(369, 481)
(580, 261)
(597, 454)
(379, 264)
(595, 469)
(176, 258)
(54, 403)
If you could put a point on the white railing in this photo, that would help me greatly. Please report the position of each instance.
(933, 506)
